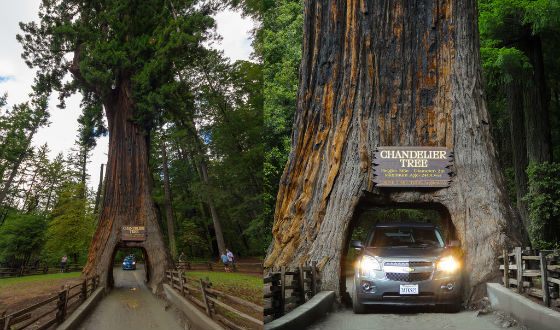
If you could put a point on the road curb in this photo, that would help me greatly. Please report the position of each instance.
(304, 315)
(528, 313)
(74, 319)
(191, 312)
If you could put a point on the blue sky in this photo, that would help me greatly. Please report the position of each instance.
(16, 78)
(5, 78)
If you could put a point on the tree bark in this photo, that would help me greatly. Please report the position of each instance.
(127, 198)
(168, 204)
(539, 148)
(213, 212)
(514, 99)
(99, 190)
(389, 73)
(202, 167)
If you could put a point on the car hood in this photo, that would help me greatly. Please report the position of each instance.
(405, 252)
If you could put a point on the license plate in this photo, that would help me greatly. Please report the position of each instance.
(409, 289)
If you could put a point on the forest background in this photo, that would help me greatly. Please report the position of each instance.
(204, 128)
(520, 53)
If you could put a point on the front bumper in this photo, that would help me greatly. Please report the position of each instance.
(129, 267)
(436, 290)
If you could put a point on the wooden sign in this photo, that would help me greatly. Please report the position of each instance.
(133, 233)
(412, 167)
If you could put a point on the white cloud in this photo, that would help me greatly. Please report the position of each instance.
(61, 133)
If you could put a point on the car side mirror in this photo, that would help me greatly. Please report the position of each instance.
(454, 243)
(356, 245)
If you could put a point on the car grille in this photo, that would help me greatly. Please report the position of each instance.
(408, 277)
(409, 263)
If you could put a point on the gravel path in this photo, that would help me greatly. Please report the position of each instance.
(131, 305)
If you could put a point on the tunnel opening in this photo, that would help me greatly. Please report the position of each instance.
(369, 213)
(130, 267)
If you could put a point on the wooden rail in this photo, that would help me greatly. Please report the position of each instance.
(53, 310)
(44, 269)
(242, 267)
(216, 304)
(290, 288)
(536, 273)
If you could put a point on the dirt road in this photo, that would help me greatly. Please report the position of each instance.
(131, 305)
(398, 318)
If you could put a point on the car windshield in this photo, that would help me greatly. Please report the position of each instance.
(416, 237)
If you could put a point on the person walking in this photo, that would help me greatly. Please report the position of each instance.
(63, 262)
(225, 261)
(231, 258)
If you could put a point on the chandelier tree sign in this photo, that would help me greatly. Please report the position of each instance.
(428, 167)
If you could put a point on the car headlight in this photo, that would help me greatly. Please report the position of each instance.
(124, 263)
(369, 264)
(448, 264)
(134, 262)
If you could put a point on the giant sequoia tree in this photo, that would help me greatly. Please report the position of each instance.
(122, 55)
(390, 73)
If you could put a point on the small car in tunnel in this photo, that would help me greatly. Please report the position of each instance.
(129, 263)
(407, 264)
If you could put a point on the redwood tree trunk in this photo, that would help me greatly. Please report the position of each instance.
(519, 145)
(168, 203)
(127, 197)
(539, 148)
(389, 73)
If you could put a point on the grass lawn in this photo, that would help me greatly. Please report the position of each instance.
(19, 292)
(6, 282)
(248, 287)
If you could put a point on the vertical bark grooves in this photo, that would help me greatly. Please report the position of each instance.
(519, 145)
(168, 203)
(127, 197)
(388, 73)
(536, 98)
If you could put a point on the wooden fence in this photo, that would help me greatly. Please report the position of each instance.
(48, 312)
(242, 267)
(216, 304)
(288, 289)
(536, 273)
(43, 269)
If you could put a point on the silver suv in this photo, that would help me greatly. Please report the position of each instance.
(407, 264)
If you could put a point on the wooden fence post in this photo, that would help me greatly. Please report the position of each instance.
(283, 290)
(519, 264)
(301, 285)
(314, 278)
(83, 293)
(204, 298)
(62, 304)
(544, 279)
(7, 322)
(506, 268)
(181, 279)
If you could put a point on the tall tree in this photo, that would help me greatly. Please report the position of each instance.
(124, 56)
(16, 133)
(395, 74)
(168, 201)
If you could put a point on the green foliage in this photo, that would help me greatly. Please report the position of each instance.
(21, 237)
(544, 204)
(217, 121)
(72, 225)
(281, 48)
(115, 46)
(17, 127)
